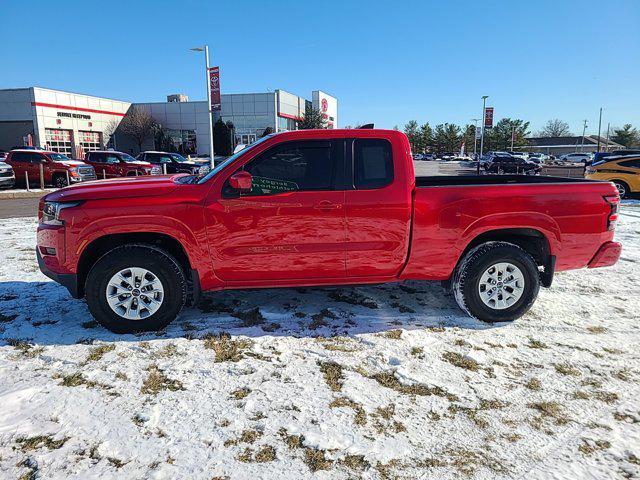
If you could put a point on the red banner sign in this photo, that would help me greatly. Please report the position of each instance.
(488, 117)
(214, 85)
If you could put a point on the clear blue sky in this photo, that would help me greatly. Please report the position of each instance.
(387, 62)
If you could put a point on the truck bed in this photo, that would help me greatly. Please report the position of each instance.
(461, 180)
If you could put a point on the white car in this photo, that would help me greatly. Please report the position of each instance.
(575, 158)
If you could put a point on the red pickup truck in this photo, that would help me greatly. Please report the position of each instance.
(319, 207)
(57, 169)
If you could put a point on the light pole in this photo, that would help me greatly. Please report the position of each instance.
(599, 128)
(205, 49)
(484, 107)
(584, 129)
(475, 136)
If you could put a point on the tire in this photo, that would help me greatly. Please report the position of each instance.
(60, 182)
(622, 187)
(163, 268)
(468, 281)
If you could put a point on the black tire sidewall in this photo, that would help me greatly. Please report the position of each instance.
(500, 252)
(624, 185)
(160, 263)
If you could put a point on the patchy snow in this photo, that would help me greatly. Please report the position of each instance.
(320, 385)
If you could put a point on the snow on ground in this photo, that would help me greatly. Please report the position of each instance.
(368, 382)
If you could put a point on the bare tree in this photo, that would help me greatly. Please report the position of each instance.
(555, 128)
(139, 125)
(109, 131)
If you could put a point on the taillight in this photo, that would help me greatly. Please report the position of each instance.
(614, 203)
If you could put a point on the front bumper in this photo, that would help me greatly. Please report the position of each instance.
(7, 182)
(607, 255)
(67, 280)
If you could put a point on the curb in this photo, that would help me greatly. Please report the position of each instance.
(9, 194)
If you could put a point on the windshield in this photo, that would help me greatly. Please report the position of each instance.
(178, 158)
(232, 158)
(125, 157)
(58, 157)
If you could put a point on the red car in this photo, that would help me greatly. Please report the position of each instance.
(57, 169)
(320, 207)
(111, 164)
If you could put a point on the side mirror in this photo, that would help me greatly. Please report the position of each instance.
(241, 181)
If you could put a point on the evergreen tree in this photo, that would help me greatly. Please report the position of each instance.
(627, 136)
(426, 136)
(412, 131)
(499, 137)
(312, 119)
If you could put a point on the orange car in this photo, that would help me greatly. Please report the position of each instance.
(624, 172)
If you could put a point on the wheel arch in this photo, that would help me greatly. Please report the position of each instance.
(103, 244)
(531, 240)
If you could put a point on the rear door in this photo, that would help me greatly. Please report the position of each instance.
(378, 203)
(291, 225)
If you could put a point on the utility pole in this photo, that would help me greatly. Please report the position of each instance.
(475, 137)
(205, 49)
(606, 148)
(599, 127)
(484, 108)
(513, 131)
(584, 129)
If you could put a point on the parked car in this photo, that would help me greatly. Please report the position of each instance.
(575, 158)
(112, 164)
(58, 169)
(538, 158)
(287, 211)
(597, 156)
(172, 162)
(7, 176)
(624, 172)
(509, 164)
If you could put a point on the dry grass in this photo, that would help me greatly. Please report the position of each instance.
(388, 380)
(40, 441)
(588, 447)
(157, 381)
(393, 334)
(417, 352)
(225, 348)
(461, 361)
(97, 353)
(596, 329)
(533, 343)
(567, 369)
(250, 318)
(26, 349)
(468, 461)
(316, 460)
(240, 393)
(352, 298)
(534, 384)
(355, 462)
(361, 416)
(339, 344)
(265, 454)
(606, 397)
(332, 375)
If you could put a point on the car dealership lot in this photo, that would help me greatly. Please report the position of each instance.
(372, 382)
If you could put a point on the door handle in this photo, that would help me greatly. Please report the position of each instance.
(326, 205)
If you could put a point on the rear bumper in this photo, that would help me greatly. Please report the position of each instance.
(67, 280)
(607, 255)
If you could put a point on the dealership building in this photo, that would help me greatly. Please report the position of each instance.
(72, 123)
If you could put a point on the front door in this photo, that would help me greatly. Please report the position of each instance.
(290, 226)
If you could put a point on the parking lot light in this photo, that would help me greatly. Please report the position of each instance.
(205, 49)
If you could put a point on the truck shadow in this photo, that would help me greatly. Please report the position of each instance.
(43, 313)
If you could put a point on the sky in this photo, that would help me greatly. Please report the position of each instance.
(386, 62)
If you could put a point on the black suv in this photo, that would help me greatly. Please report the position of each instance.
(505, 163)
(172, 162)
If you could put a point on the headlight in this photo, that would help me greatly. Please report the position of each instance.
(51, 212)
(73, 172)
(204, 169)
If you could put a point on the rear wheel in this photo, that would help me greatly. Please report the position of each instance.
(622, 187)
(135, 288)
(496, 282)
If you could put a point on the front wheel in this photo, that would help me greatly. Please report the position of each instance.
(496, 282)
(60, 182)
(136, 288)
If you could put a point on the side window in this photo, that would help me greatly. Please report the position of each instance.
(112, 159)
(299, 166)
(21, 157)
(96, 157)
(372, 163)
(635, 163)
(162, 159)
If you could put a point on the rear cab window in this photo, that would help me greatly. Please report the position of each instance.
(372, 163)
